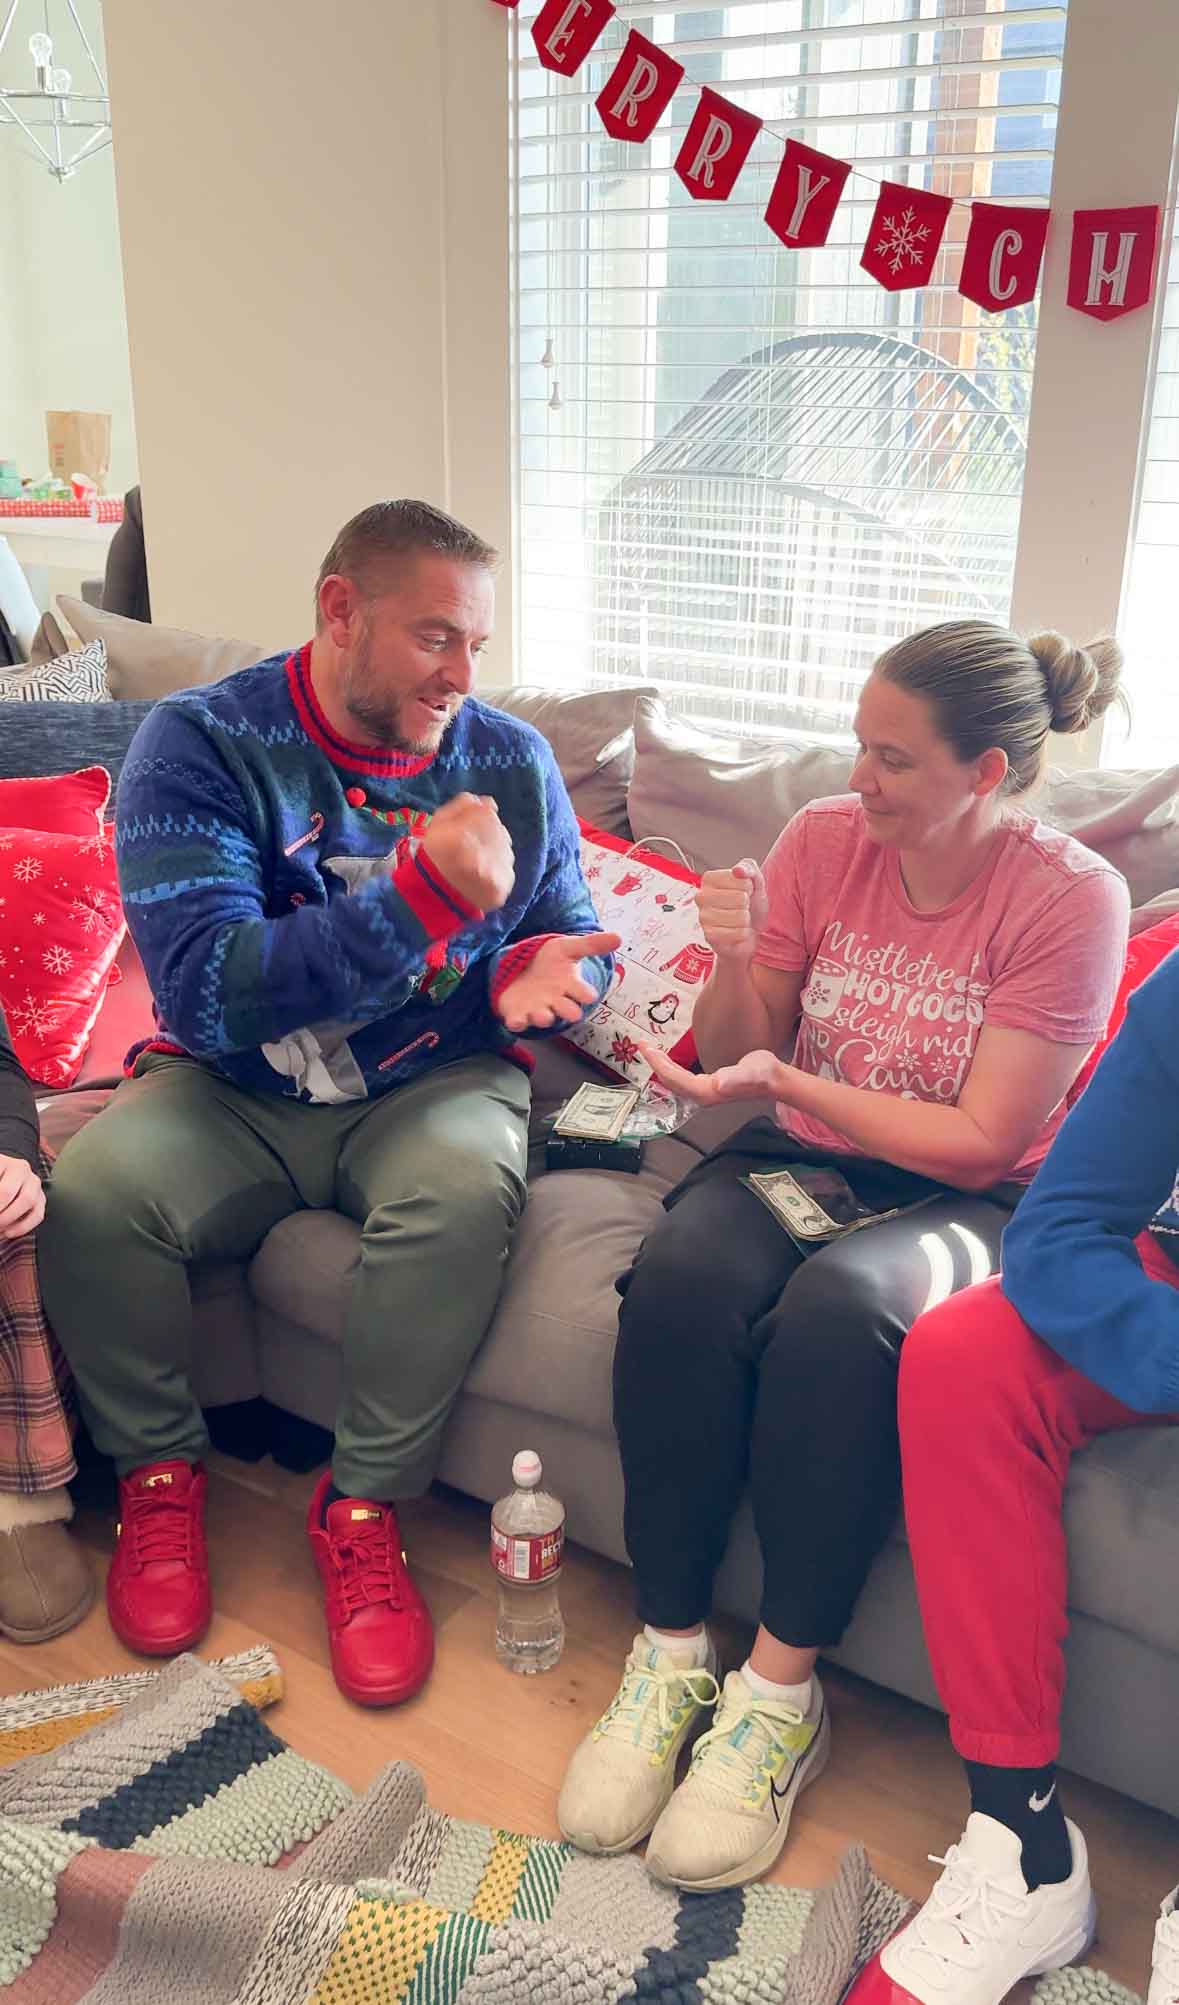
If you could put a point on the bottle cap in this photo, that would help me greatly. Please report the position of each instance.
(526, 1470)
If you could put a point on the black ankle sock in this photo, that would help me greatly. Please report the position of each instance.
(1028, 1802)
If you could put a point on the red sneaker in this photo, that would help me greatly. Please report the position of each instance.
(379, 1628)
(157, 1590)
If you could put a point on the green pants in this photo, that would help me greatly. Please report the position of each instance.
(184, 1167)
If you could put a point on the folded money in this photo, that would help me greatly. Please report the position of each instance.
(597, 1113)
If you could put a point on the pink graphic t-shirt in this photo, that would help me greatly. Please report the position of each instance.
(895, 998)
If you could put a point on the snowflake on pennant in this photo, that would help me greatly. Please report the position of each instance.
(57, 960)
(33, 1018)
(29, 868)
(907, 239)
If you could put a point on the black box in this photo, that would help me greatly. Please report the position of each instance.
(571, 1152)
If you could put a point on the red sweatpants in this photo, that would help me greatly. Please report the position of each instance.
(990, 1419)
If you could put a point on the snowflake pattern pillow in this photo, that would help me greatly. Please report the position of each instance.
(61, 926)
(68, 678)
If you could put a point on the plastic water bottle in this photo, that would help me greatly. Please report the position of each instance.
(527, 1542)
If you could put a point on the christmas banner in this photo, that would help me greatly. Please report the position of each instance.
(1113, 255)
(806, 196)
(1004, 251)
(716, 147)
(640, 89)
(565, 31)
(903, 237)
(1111, 269)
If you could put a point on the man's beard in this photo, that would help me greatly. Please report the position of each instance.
(378, 715)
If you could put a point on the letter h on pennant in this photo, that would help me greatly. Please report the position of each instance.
(1112, 263)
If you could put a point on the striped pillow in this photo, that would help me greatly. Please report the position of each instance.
(69, 678)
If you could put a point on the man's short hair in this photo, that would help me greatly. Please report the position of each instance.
(380, 536)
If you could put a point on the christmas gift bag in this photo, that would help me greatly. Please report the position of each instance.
(663, 962)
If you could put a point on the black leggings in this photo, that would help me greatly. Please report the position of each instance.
(740, 1360)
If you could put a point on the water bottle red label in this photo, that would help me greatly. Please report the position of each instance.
(526, 1560)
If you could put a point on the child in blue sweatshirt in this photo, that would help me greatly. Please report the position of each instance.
(354, 887)
(1000, 1386)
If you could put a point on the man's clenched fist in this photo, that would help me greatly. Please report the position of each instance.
(469, 846)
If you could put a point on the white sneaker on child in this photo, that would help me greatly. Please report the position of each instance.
(1164, 1971)
(623, 1772)
(980, 1931)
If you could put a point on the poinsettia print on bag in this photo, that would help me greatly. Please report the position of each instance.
(61, 926)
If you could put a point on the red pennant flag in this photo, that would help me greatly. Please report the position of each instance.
(565, 31)
(639, 89)
(716, 147)
(1004, 251)
(806, 196)
(904, 236)
(1112, 263)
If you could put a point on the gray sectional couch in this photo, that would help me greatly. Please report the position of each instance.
(543, 1375)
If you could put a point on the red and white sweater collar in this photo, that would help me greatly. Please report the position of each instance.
(341, 751)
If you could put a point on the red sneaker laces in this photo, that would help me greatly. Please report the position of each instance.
(367, 1566)
(160, 1526)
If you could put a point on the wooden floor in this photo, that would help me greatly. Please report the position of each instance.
(493, 1746)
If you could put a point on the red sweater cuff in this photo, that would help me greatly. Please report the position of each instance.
(512, 962)
(435, 904)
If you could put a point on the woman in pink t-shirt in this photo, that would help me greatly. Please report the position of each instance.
(943, 963)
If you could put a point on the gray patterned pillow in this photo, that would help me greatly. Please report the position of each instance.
(69, 678)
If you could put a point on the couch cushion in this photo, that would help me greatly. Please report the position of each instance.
(1130, 818)
(723, 798)
(592, 738)
(146, 661)
(53, 737)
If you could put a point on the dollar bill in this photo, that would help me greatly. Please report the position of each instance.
(808, 1222)
(796, 1208)
(597, 1113)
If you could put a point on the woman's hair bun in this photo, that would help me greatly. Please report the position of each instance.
(1082, 682)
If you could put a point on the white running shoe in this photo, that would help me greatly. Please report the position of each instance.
(727, 1821)
(623, 1772)
(981, 1931)
(1164, 1970)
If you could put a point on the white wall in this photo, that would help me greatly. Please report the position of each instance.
(314, 219)
(63, 330)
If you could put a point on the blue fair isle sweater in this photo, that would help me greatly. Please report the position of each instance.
(295, 936)
(1069, 1261)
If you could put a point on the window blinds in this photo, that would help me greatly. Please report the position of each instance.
(741, 470)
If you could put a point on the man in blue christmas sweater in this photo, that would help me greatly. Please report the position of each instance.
(353, 887)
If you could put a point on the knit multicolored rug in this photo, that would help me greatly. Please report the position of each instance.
(179, 1851)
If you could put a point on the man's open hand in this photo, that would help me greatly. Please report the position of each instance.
(469, 846)
(552, 988)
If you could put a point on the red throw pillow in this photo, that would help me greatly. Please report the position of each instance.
(63, 803)
(61, 926)
(1143, 956)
